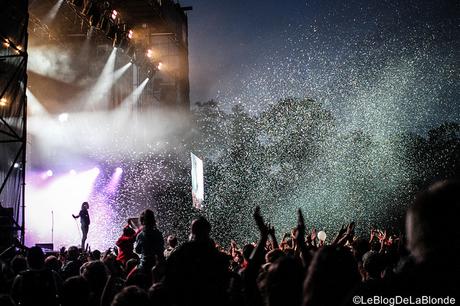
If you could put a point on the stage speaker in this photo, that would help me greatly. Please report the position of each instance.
(6, 227)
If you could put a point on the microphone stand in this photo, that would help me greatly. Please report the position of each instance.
(52, 228)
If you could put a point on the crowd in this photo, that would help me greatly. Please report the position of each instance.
(300, 269)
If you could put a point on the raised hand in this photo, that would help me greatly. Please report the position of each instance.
(263, 228)
(340, 235)
(350, 229)
(300, 233)
(383, 236)
(300, 237)
(372, 235)
(313, 234)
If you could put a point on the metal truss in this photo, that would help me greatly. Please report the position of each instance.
(13, 110)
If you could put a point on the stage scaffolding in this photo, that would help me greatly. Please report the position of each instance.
(13, 118)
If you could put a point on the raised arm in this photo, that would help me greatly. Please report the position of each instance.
(271, 233)
(300, 238)
(257, 257)
(340, 234)
(349, 234)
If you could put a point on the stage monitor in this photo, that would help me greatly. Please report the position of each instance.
(197, 182)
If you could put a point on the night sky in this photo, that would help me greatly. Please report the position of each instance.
(343, 53)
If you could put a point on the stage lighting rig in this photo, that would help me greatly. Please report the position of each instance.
(121, 39)
(114, 15)
(149, 53)
(151, 73)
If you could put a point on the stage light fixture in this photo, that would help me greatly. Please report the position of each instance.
(160, 66)
(149, 53)
(121, 40)
(130, 34)
(49, 173)
(3, 102)
(114, 14)
(63, 117)
(16, 165)
(150, 74)
(118, 170)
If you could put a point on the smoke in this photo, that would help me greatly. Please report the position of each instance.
(53, 62)
(106, 135)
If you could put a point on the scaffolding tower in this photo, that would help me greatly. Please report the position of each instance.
(13, 119)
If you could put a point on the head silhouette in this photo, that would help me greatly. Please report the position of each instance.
(35, 258)
(200, 229)
(147, 218)
(431, 221)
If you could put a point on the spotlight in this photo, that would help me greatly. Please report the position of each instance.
(3, 102)
(63, 117)
(118, 170)
(49, 173)
(96, 170)
(114, 14)
(16, 165)
(160, 66)
(130, 34)
(150, 74)
(149, 53)
(72, 172)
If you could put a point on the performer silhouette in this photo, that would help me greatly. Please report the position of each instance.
(84, 220)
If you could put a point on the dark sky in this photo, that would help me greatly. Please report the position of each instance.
(347, 54)
(227, 36)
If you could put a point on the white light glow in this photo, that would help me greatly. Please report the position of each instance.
(98, 93)
(134, 96)
(53, 12)
(58, 200)
(63, 117)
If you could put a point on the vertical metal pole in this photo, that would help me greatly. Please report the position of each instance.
(24, 131)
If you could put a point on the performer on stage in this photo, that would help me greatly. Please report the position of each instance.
(84, 220)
